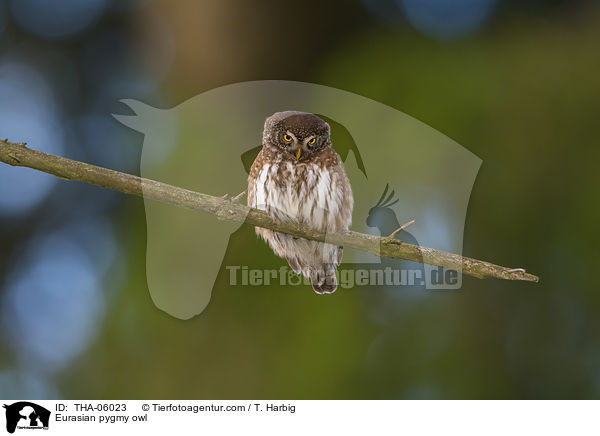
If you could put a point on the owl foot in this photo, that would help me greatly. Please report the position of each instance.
(323, 281)
(324, 288)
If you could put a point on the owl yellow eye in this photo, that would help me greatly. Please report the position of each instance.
(287, 138)
(312, 141)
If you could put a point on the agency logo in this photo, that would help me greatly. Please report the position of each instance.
(26, 416)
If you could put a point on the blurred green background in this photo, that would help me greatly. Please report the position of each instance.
(516, 83)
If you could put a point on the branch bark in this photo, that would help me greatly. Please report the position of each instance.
(224, 208)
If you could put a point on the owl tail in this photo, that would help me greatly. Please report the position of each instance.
(323, 279)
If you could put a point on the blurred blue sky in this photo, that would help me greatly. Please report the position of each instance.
(442, 20)
(54, 295)
(57, 18)
(445, 19)
(32, 116)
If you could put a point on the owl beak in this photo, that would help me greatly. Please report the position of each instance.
(298, 153)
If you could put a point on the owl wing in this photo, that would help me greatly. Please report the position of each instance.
(344, 217)
(252, 176)
(336, 168)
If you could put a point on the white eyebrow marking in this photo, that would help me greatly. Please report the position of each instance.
(308, 139)
(292, 135)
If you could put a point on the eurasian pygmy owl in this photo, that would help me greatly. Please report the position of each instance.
(297, 176)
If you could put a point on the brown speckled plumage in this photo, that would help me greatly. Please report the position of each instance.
(308, 186)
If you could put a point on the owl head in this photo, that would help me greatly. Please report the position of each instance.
(298, 134)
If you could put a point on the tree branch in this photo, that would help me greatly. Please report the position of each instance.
(17, 154)
(399, 229)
